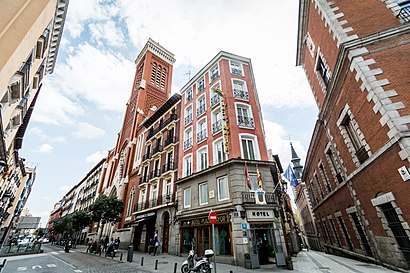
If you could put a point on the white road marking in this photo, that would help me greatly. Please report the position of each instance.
(78, 270)
(36, 266)
(21, 268)
(51, 265)
(73, 267)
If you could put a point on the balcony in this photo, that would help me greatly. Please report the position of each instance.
(214, 76)
(154, 174)
(166, 199)
(246, 122)
(241, 94)
(237, 72)
(404, 14)
(188, 119)
(157, 149)
(187, 144)
(249, 198)
(146, 156)
(168, 167)
(200, 110)
(143, 179)
(216, 126)
(169, 141)
(201, 135)
(201, 86)
(189, 97)
(215, 100)
(152, 132)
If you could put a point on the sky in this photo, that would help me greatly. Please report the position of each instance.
(80, 109)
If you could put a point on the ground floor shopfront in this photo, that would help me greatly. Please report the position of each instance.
(255, 231)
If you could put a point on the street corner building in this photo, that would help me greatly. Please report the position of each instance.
(177, 157)
(355, 56)
(30, 33)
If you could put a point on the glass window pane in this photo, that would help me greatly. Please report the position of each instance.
(245, 149)
(250, 149)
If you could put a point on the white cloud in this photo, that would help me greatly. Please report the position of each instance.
(108, 33)
(96, 157)
(277, 140)
(88, 131)
(36, 131)
(97, 76)
(44, 149)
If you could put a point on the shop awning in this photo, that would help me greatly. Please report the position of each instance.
(140, 220)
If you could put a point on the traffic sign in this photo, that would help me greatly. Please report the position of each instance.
(213, 217)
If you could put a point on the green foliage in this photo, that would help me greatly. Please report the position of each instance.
(271, 251)
(247, 256)
(106, 209)
(40, 232)
(63, 225)
(80, 219)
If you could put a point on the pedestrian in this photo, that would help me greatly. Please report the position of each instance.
(151, 246)
(117, 243)
(156, 245)
(89, 243)
(106, 243)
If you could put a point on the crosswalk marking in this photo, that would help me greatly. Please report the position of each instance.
(51, 265)
(36, 266)
(77, 270)
(21, 268)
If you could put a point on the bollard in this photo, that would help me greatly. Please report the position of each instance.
(156, 264)
(175, 268)
(121, 257)
(230, 271)
(130, 253)
(142, 261)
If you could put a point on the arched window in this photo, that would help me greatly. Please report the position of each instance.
(130, 201)
(153, 73)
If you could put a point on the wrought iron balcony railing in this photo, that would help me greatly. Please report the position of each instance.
(187, 144)
(241, 94)
(215, 100)
(216, 126)
(246, 122)
(201, 135)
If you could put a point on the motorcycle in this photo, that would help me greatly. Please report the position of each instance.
(203, 265)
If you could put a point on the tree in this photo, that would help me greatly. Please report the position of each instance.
(40, 232)
(79, 220)
(63, 225)
(106, 210)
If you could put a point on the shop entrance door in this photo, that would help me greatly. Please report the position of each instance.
(165, 234)
(203, 240)
(263, 241)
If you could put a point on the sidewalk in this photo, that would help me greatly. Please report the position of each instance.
(306, 262)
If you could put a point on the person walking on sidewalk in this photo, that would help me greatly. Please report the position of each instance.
(89, 243)
(156, 245)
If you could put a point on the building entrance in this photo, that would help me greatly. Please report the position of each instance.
(263, 241)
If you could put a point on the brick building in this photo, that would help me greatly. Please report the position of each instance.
(357, 169)
(222, 134)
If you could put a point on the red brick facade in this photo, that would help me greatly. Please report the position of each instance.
(358, 72)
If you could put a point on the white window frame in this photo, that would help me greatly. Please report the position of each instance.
(197, 84)
(245, 88)
(200, 151)
(187, 202)
(168, 186)
(202, 121)
(130, 202)
(213, 119)
(143, 195)
(200, 188)
(184, 168)
(215, 153)
(153, 194)
(212, 93)
(189, 129)
(210, 72)
(239, 64)
(138, 150)
(186, 95)
(225, 178)
(254, 138)
(186, 113)
(250, 114)
(202, 97)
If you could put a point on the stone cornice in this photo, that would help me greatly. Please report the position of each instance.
(157, 50)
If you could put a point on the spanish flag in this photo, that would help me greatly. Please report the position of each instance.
(259, 177)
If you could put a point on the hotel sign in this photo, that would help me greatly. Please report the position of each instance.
(222, 218)
(260, 215)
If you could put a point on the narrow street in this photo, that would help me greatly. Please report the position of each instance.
(55, 260)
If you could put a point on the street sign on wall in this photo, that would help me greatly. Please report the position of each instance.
(213, 217)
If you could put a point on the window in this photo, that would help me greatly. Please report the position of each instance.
(323, 174)
(345, 233)
(200, 85)
(244, 116)
(188, 138)
(216, 121)
(202, 159)
(201, 106)
(188, 95)
(253, 177)
(239, 90)
(249, 147)
(350, 128)
(130, 201)
(331, 158)
(362, 235)
(214, 73)
(154, 192)
(236, 68)
(188, 115)
(404, 13)
(138, 150)
(322, 70)
(223, 188)
(153, 73)
(187, 198)
(219, 152)
(215, 99)
(142, 196)
(201, 130)
(187, 165)
(318, 186)
(168, 187)
(203, 194)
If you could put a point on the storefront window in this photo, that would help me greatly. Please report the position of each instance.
(188, 240)
(223, 190)
(223, 240)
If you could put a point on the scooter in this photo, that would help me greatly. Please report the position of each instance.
(202, 265)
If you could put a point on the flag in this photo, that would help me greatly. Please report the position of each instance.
(259, 177)
(290, 176)
(248, 181)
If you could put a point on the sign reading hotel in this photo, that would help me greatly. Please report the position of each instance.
(260, 214)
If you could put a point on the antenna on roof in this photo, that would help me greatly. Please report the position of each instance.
(189, 74)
